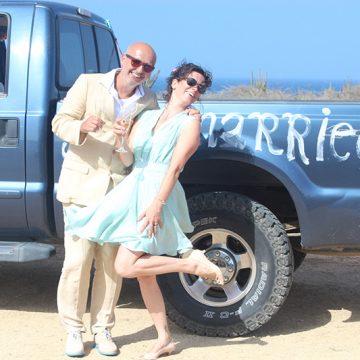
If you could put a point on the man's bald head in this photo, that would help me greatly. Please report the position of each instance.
(143, 51)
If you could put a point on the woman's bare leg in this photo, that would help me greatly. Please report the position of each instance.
(131, 264)
(154, 302)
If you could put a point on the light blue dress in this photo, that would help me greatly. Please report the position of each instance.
(114, 220)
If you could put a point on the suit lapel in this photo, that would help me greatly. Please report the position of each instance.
(106, 105)
(143, 102)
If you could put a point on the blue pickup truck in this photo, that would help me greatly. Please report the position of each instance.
(270, 182)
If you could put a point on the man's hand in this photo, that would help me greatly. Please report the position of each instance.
(91, 124)
(194, 112)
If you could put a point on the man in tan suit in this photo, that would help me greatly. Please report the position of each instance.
(91, 168)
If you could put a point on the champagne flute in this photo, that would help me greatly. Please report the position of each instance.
(125, 118)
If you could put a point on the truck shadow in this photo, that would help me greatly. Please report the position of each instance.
(321, 285)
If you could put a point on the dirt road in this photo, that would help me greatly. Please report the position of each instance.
(320, 319)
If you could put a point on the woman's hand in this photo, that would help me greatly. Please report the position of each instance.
(121, 128)
(151, 218)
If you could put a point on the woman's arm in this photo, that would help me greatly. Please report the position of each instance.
(186, 145)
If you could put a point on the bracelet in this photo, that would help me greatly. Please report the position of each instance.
(163, 202)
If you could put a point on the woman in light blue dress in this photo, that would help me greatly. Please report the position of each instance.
(147, 212)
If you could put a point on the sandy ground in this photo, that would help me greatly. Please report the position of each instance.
(320, 319)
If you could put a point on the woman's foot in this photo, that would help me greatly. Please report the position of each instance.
(205, 268)
(158, 350)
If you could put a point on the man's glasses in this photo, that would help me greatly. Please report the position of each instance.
(192, 82)
(137, 63)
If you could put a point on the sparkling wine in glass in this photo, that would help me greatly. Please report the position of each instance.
(125, 118)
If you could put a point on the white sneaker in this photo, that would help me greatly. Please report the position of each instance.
(74, 344)
(104, 343)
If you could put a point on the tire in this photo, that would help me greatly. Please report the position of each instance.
(251, 247)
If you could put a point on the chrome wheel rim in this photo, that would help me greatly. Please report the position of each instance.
(236, 260)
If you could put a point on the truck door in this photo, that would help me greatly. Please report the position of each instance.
(93, 49)
(15, 32)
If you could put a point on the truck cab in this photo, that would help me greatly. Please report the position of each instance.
(44, 47)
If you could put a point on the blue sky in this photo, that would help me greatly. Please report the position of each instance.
(297, 39)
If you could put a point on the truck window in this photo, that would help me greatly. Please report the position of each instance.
(91, 64)
(108, 58)
(4, 25)
(84, 48)
(71, 62)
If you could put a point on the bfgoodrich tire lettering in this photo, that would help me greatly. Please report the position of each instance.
(253, 250)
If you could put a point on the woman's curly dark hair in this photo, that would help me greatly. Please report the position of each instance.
(182, 72)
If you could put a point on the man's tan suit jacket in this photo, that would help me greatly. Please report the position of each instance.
(90, 167)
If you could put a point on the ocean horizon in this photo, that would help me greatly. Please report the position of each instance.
(220, 84)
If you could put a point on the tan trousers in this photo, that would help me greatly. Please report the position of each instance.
(74, 284)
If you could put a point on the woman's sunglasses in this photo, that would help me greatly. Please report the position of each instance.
(192, 82)
(137, 63)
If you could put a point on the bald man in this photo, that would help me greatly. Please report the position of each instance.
(90, 169)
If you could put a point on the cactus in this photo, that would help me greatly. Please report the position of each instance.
(260, 84)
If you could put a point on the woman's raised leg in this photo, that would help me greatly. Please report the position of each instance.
(131, 264)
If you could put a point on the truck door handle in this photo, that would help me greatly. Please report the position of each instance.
(9, 132)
